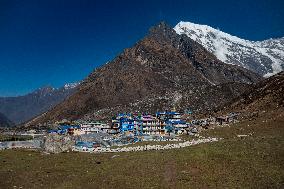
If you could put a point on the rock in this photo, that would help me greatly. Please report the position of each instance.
(194, 130)
(58, 143)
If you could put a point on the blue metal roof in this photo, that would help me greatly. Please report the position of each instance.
(52, 131)
(176, 122)
(61, 131)
(168, 113)
(65, 127)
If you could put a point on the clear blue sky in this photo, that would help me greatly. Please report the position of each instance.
(53, 42)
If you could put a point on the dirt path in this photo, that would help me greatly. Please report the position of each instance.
(170, 174)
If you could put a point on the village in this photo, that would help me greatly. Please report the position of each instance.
(121, 130)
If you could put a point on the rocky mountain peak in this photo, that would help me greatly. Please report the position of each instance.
(161, 28)
(162, 32)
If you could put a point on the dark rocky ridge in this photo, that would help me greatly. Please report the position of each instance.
(164, 68)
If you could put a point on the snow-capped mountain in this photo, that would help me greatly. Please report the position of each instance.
(263, 57)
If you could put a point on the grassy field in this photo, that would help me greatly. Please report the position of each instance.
(255, 161)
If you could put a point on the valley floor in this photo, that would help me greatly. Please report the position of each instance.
(252, 161)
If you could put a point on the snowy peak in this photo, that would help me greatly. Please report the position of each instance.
(263, 57)
(71, 85)
(44, 91)
(49, 90)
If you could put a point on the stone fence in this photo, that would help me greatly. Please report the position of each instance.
(148, 147)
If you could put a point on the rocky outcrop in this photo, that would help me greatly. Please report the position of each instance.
(54, 143)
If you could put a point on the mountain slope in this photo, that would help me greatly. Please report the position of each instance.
(4, 121)
(23, 108)
(267, 95)
(162, 71)
(263, 57)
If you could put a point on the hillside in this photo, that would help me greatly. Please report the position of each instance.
(161, 71)
(264, 96)
(263, 57)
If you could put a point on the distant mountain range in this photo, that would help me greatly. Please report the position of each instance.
(263, 57)
(164, 70)
(22, 108)
(4, 121)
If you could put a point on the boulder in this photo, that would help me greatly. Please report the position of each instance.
(54, 143)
